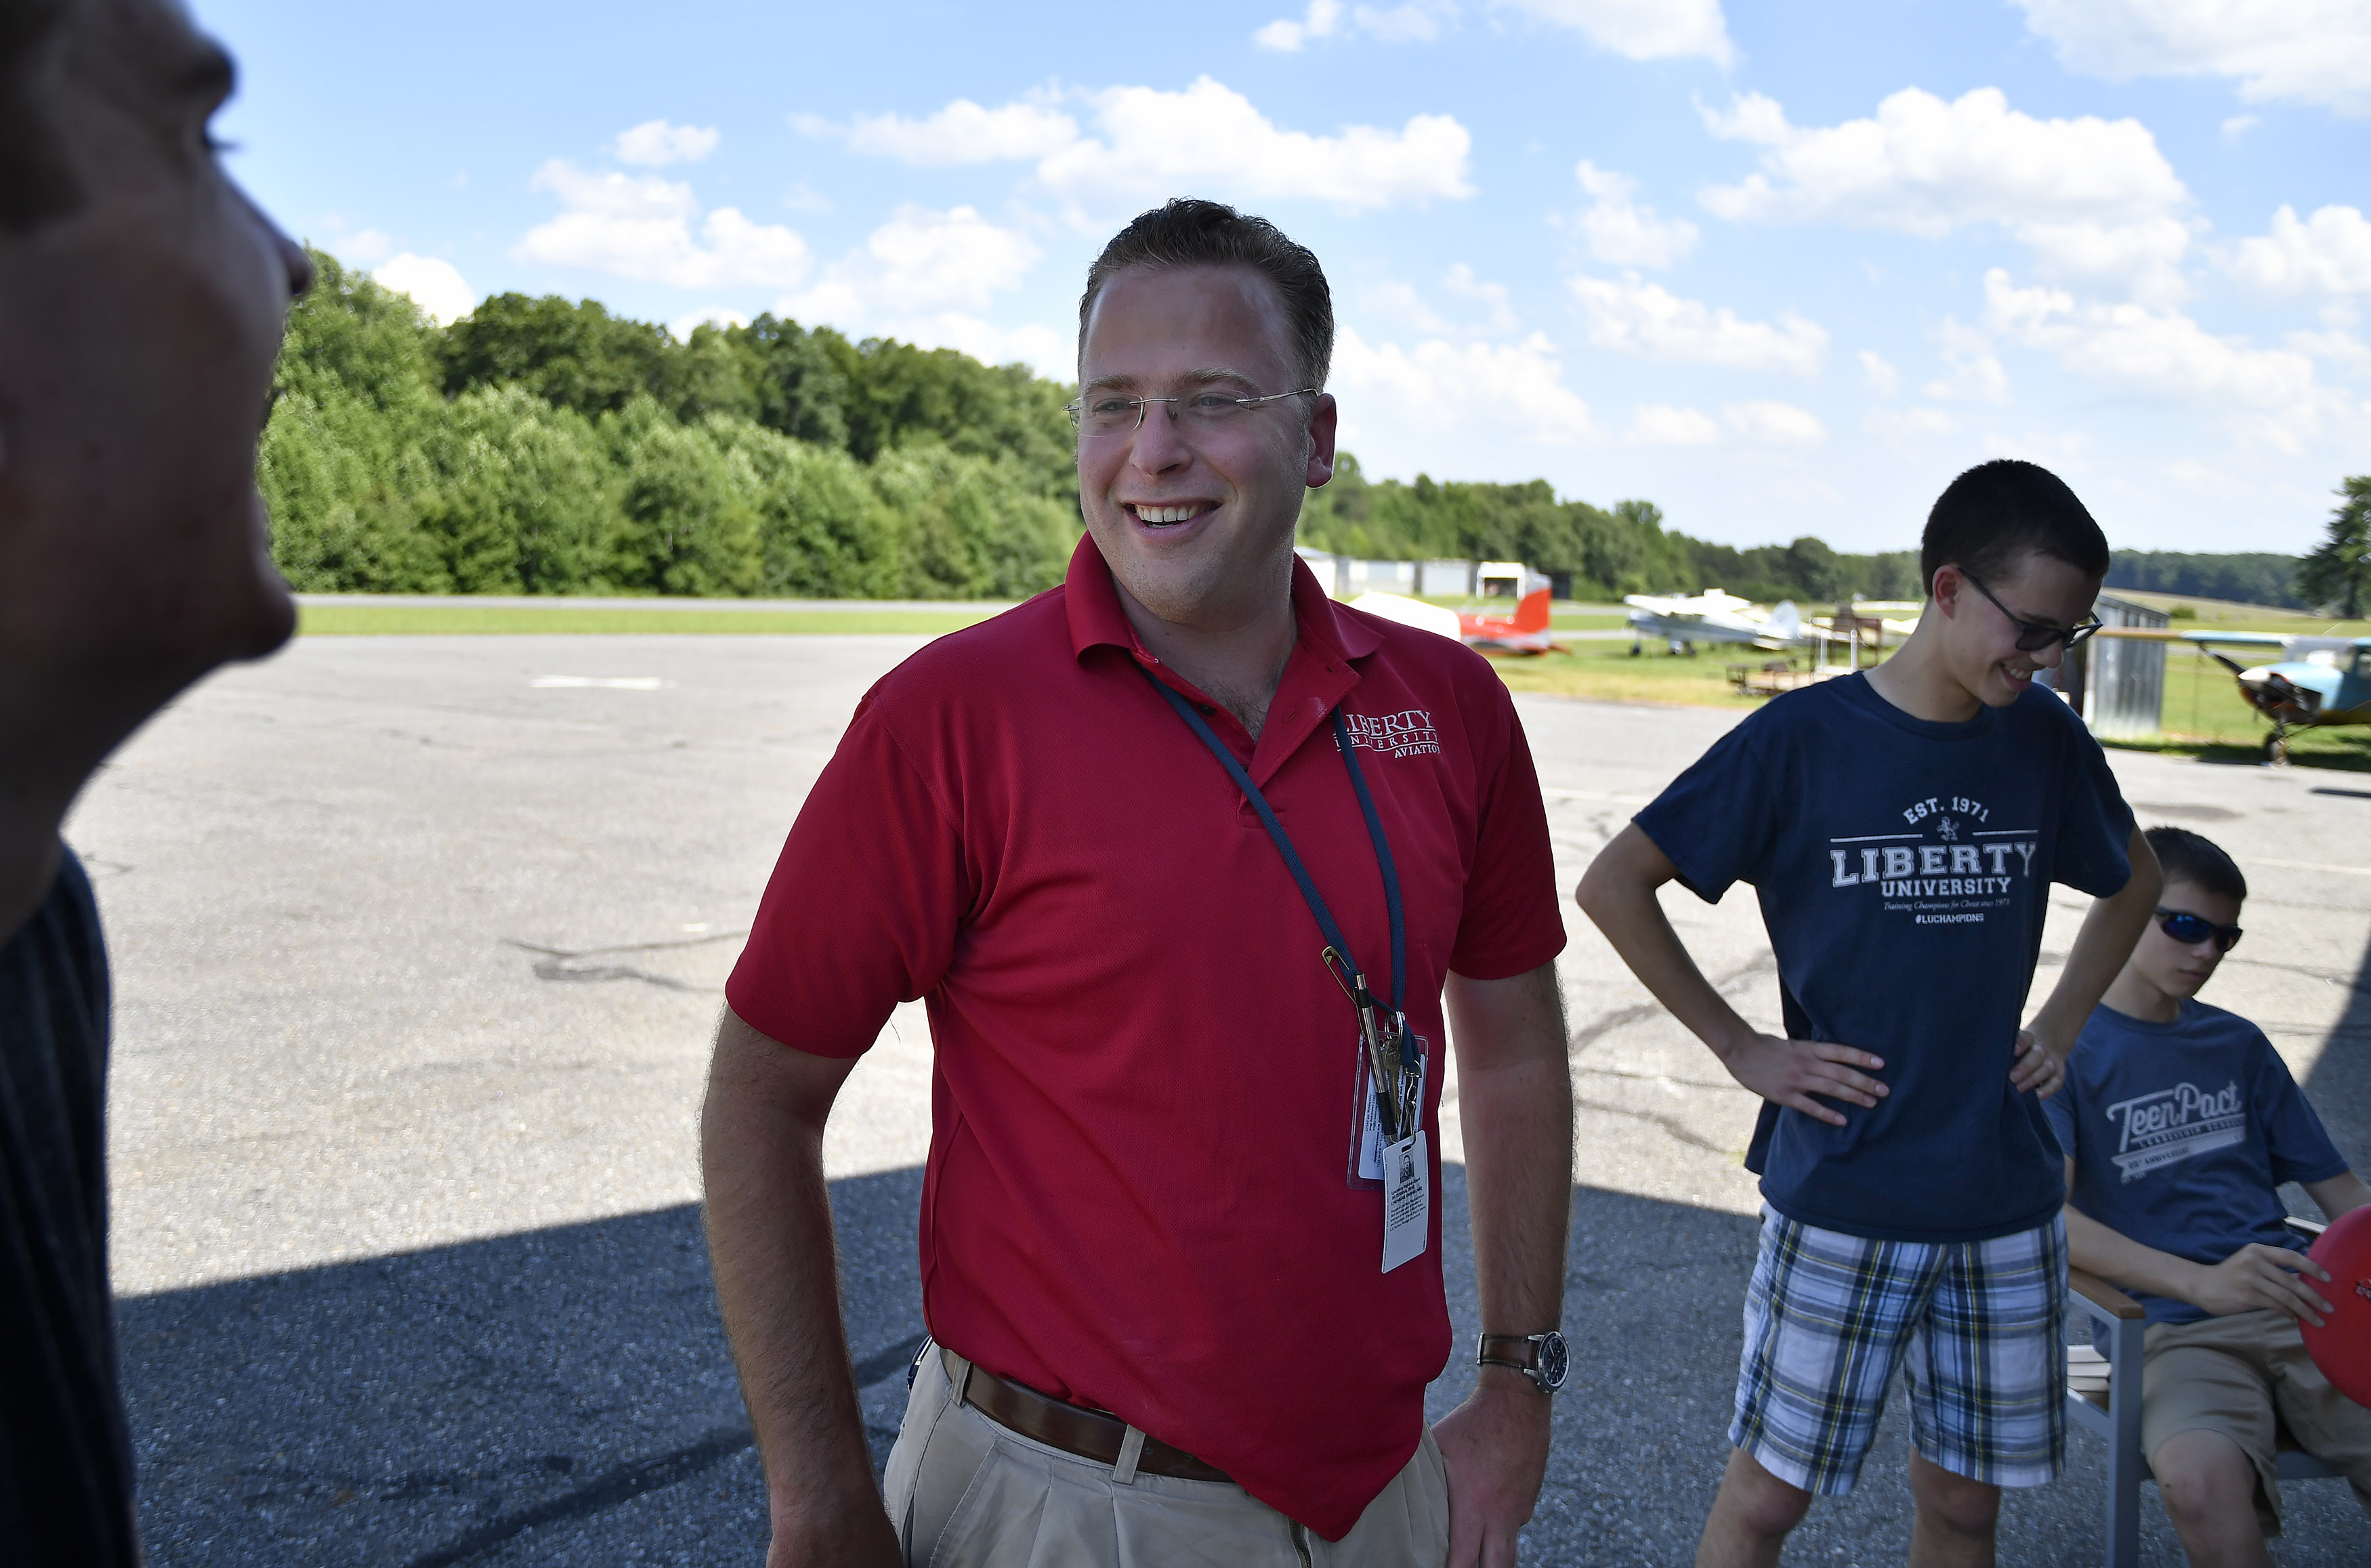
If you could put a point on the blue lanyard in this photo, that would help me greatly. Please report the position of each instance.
(1353, 979)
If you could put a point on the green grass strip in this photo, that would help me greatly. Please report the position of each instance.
(577, 618)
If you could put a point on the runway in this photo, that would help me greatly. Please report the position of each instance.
(418, 945)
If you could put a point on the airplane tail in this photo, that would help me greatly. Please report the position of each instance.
(1531, 613)
(1786, 621)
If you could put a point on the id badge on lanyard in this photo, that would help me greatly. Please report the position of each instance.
(1388, 1144)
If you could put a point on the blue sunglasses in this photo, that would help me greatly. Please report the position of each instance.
(2190, 930)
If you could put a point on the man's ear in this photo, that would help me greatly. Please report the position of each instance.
(1324, 420)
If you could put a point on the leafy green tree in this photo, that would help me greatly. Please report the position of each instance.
(686, 521)
(800, 387)
(2339, 570)
(573, 355)
(525, 494)
(824, 530)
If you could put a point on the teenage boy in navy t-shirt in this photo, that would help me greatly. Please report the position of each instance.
(2179, 1123)
(1902, 829)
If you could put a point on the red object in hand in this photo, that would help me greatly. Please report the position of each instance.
(2342, 1348)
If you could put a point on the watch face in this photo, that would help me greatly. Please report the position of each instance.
(1555, 1361)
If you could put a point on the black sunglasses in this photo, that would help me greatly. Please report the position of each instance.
(2190, 930)
(2032, 637)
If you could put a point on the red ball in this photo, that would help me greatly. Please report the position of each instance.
(2341, 1347)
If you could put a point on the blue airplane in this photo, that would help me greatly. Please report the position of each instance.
(2317, 681)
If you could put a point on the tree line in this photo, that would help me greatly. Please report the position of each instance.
(546, 446)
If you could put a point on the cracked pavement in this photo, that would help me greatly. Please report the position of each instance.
(416, 964)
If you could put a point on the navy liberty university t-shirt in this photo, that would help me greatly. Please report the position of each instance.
(2181, 1134)
(1903, 867)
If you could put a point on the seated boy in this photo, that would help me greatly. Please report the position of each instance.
(1903, 829)
(2181, 1122)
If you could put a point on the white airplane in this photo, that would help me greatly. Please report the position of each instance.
(1710, 616)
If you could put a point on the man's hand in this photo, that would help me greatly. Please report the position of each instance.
(2041, 1062)
(1495, 1446)
(1788, 1072)
(2257, 1277)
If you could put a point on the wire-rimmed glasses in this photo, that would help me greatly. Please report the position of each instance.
(1109, 413)
(2033, 636)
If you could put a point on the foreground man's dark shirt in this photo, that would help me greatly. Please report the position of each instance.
(65, 1453)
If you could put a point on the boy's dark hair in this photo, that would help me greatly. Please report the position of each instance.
(2196, 860)
(1187, 232)
(1999, 511)
(36, 184)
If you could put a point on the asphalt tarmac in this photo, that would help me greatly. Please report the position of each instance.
(418, 943)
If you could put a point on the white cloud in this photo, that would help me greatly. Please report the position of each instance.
(655, 143)
(2094, 199)
(436, 286)
(1420, 21)
(640, 226)
(2163, 355)
(962, 133)
(1780, 424)
(2327, 254)
(2237, 126)
(1661, 424)
(1640, 29)
(1883, 379)
(1638, 318)
(2316, 52)
(367, 246)
(682, 327)
(1139, 153)
(1441, 386)
(918, 263)
(1623, 233)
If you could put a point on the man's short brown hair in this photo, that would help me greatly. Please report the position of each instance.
(1188, 232)
(35, 182)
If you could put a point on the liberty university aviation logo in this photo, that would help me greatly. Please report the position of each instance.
(1946, 864)
(1409, 733)
(2174, 1124)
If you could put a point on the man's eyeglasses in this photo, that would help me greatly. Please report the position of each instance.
(2033, 636)
(2191, 930)
(1107, 413)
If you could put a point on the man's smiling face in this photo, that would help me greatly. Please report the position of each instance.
(1197, 522)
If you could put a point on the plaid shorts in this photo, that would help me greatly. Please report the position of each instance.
(1974, 1326)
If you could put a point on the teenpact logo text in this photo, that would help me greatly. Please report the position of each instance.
(2174, 1124)
(1409, 733)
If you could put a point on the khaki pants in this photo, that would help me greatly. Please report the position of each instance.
(965, 1493)
(2235, 1376)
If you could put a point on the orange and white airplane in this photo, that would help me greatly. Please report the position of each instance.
(1525, 632)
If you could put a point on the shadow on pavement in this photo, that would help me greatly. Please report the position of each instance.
(564, 1396)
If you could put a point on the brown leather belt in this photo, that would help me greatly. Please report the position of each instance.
(1090, 1433)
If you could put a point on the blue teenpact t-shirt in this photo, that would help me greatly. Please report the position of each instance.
(2181, 1134)
(1903, 867)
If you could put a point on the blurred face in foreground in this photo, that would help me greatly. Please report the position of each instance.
(137, 335)
(1979, 639)
(1195, 518)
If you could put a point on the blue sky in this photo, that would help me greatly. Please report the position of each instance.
(1782, 269)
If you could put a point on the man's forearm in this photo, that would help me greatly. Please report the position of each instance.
(770, 1249)
(2109, 932)
(1517, 1120)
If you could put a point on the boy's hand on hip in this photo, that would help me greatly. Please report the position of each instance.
(1790, 1072)
(2257, 1277)
(2040, 1064)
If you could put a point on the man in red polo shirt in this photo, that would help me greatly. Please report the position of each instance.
(1180, 1264)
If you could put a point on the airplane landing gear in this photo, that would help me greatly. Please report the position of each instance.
(2276, 747)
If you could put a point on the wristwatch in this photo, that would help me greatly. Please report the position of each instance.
(1541, 1357)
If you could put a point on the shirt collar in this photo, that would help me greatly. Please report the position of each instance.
(1092, 602)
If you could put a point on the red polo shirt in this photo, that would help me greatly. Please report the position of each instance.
(1138, 1195)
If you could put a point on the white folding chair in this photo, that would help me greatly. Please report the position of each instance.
(2115, 1412)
